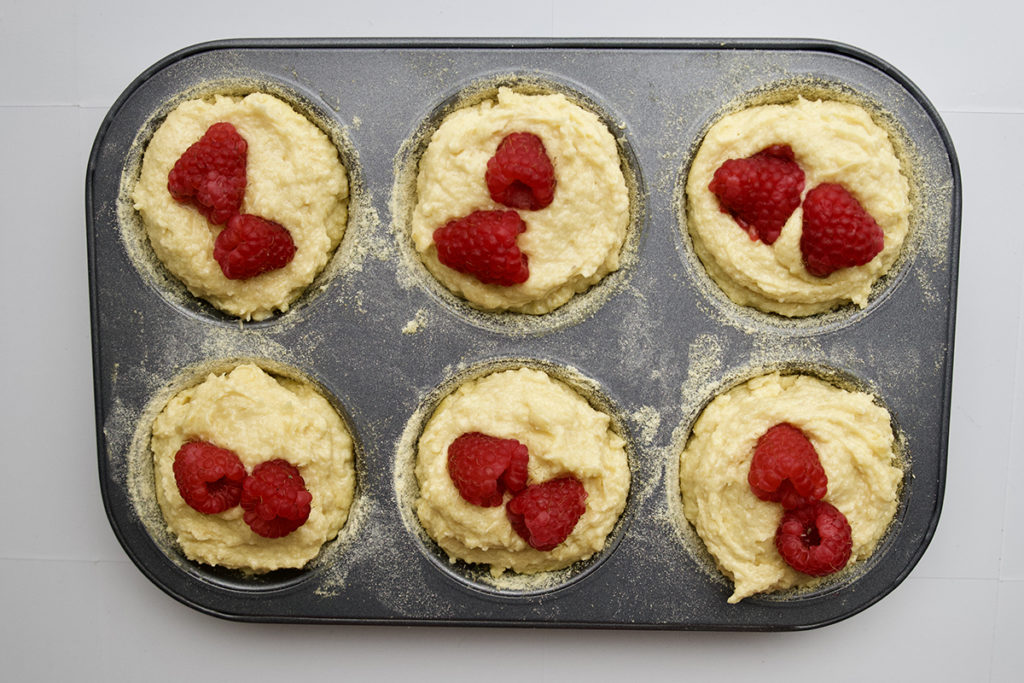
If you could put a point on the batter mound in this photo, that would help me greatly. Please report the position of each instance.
(260, 418)
(564, 435)
(572, 243)
(854, 440)
(294, 178)
(833, 142)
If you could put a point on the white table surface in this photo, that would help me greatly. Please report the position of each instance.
(72, 606)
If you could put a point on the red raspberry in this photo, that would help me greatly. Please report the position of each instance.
(209, 478)
(520, 174)
(761, 191)
(786, 469)
(545, 514)
(814, 539)
(838, 232)
(484, 467)
(250, 246)
(483, 244)
(211, 173)
(275, 499)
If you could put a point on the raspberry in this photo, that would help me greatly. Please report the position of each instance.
(814, 539)
(275, 499)
(209, 478)
(761, 191)
(520, 174)
(484, 467)
(838, 232)
(786, 469)
(211, 173)
(483, 244)
(545, 514)
(250, 246)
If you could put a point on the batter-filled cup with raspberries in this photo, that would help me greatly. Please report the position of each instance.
(518, 473)
(253, 470)
(797, 208)
(788, 479)
(243, 200)
(520, 202)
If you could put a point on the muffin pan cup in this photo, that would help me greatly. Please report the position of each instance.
(657, 339)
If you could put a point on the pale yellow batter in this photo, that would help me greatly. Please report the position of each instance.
(295, 178)
(564, 435)
(833, 142)
(260, 417)
(572, 243)
(854, 440)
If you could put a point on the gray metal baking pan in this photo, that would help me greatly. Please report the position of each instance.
(652, 344)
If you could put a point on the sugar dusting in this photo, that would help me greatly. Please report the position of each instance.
(417, 323)
(647, 421)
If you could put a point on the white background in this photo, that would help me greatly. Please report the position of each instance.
(72, 606)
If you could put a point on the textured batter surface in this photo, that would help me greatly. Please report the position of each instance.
(564, 435)
(260, 418)
(854, 441)
(295, 178)
(833, 142)
(572, 243)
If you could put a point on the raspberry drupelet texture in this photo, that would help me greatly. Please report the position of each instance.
(520, 175)
(837, 231)
(760, 192)
(275, 499)
(250, 246)
(211, 174)
(545, 514)
(484, 467)
(483, 244)
(786, 469)
(209, 478)
(815, 539)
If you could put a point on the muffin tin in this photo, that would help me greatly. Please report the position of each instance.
(651, 344)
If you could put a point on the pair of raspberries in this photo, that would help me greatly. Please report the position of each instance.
(762, 191)
(484, 467)
(212, 479)
(211, 175)
(520, 175)
(813, 537)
